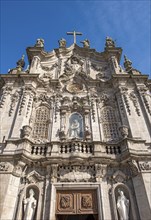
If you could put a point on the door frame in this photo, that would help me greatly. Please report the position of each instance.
(74, 186)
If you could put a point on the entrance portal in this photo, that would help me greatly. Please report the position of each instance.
(76, 205)
(77, 217)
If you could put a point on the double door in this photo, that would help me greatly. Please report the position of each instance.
(76, 204)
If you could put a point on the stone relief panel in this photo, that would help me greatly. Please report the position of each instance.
(145, 166)
(6, 167)
(100, 72)
(66, 203)
(87, 202)
(76, 173)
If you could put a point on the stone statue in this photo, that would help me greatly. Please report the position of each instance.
(29, 206)
(127, 64)
(75, 129)
(86, 43)
(39, 43)
(123, 206)
(109, 42)
(62, 43)
(21, 63)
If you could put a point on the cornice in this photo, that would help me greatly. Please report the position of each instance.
(86, 52)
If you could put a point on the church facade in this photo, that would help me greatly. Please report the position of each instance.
(75, 136)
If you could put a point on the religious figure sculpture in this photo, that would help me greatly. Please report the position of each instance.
(39, 43)
(30, 204)
(21, 63)
(75, 129)
(109, 42)
(127, 64)
(86, 43)
(62, 43)
(123, 206)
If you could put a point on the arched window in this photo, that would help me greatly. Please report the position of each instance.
(109, 124)
(41, 123)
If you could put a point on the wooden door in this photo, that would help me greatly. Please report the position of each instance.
(76, 202)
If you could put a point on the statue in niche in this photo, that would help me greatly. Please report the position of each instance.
(123, 206)
(75, 129)
(75, 126)
(30, 204)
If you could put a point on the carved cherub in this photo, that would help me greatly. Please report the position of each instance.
(86, 43)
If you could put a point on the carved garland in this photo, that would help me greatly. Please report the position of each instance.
(14, 98)
(134, 99)
(125, 99)
(6, 91)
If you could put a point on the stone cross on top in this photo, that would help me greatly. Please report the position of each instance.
(74, 33)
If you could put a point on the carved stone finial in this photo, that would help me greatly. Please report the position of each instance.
(109, 42)
(62, 43)
(86, 43)
(124, 131)
(26, 131)
(21, 63)
(127, 64)
(39, 43)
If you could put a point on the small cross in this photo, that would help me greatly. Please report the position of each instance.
(74, 33)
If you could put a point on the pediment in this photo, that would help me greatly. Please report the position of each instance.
(69, 66)
(34, 177)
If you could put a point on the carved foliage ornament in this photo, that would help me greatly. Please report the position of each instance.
(65, 201)
(86, 201)
(4, 166)
(133, 167)
(134, 99)
(124, 92)
(145, 165)
(14, 99)
(76, 173)
(145, 96)
(7, 90)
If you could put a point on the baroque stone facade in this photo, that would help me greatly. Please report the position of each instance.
(75, 136)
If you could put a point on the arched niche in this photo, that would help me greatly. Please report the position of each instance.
(76, 126)
(24, 194)
(129, 196)
(32, 192)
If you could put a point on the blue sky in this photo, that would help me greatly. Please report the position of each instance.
(127, 22)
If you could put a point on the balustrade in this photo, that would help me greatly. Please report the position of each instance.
(113, 149)
(67, 148)
(39, 150)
